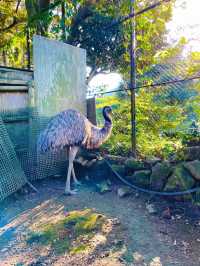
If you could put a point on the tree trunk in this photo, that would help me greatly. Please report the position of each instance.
(34, 7)
(93, 73)
(4, 57)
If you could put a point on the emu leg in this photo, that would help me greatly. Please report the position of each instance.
(74, 177)
(72, 154)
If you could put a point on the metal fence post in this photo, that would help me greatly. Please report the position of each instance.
(28, 47)
(63, 10)
(133, 81)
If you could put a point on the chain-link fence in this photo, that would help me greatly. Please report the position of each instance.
(167, 92)
(167, 112)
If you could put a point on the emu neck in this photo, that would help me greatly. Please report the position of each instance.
(100, 135)
(107, 119)
(107, 124)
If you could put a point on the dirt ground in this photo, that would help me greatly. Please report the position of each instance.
(169, 237)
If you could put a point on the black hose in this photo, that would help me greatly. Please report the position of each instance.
(176, 193)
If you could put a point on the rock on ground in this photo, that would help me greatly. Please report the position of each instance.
(124, 191)
(140, 178)
(180, 180)
(160, 173)
(194, 168)
(191, 153)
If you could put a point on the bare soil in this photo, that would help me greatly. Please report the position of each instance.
(169, 237)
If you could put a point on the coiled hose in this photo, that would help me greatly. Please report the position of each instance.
(175, 193)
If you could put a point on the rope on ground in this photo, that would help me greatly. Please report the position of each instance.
(175, 193)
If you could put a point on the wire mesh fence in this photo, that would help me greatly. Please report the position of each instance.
(167, 89)
(167, 112)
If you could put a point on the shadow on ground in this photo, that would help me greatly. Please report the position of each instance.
(131, 235)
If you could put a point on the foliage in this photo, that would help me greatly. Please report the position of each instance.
(67, 234)
(12, 41)
(104, 46)
(156, 125)
(86, 25)
(164, 114)
(167, 117)
(108, 47)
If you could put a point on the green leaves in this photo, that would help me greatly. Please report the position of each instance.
(156, 123)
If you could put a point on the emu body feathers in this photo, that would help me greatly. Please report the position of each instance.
(72, 129)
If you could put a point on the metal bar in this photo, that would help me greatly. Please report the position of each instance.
(18, 69)
(152, 85)
(16, 120)
(13, 84)
(11, 91)
(28, 47)
(63, 22)
(133, 81)
(134, 14)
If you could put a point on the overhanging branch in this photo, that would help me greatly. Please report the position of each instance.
(14, 23)
(18, 4)
(125, 18)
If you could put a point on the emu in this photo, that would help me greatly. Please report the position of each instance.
(71, 129)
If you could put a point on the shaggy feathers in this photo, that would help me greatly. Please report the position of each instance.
(71, 128)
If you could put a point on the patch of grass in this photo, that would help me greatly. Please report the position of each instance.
(61, 246)
(79, 249)
(90, 223)
(71, 229)
(35, 237)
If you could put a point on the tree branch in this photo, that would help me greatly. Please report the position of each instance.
(123, 19)
(93, 72)
(17, 7)
(15, 20)
(14, 23)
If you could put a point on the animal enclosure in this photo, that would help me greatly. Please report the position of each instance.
(156, 104)
(28, 100)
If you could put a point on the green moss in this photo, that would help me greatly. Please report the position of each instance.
(79, 249)
(134, 165)
(180, 180)
(141, 178)
(120, 169)
(90, 223)
(61, 246)
(63, 233)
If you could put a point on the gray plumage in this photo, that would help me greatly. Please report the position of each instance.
(73, 130)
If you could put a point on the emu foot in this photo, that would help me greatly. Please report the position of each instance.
(77, 183)
(70, 192)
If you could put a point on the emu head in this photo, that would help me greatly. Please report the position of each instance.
(107, 112)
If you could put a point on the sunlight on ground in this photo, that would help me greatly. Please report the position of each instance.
(77, 232)
(47, 232)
